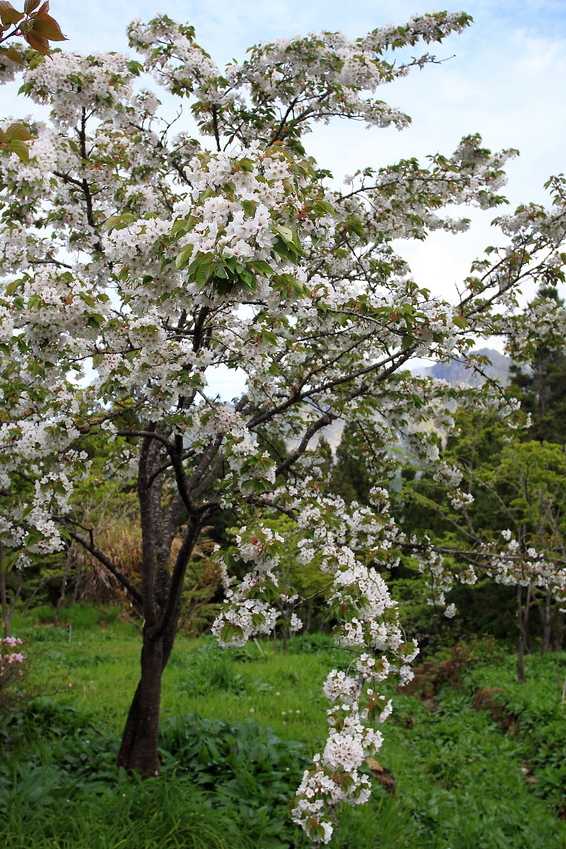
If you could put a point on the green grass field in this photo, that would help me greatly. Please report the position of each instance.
(464, 778)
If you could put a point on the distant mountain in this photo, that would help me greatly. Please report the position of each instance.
(457, 373)
(453, 371)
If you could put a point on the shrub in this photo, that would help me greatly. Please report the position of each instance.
(80, 616)
(209, 669)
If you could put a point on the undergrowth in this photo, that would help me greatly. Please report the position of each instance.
(457, 777)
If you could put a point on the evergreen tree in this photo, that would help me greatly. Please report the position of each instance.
(351, 475)
(541, 386)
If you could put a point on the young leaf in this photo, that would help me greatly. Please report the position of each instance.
(118, 222)
(18, 131)
(13, 54)
(9, 15)
(184, 257)
(47, 27)
(249, 207)
(37, 42)
(20, 148)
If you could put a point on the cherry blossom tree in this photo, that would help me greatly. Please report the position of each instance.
(139, 261)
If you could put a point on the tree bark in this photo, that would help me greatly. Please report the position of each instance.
(521, 639)
(547, 622)
(161, 594)
(558, 630)
(139, 748)
(6, 611)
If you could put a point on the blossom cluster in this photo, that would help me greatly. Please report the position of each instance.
(72, 84)
(515, 564)
(348, 544)
(251, 607)
(314, 78)
(239, 221)
(12, 659)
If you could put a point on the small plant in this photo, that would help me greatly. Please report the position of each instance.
(12, 661)
(209, 670)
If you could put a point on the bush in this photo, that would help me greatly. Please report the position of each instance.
(250, 771)
(534, 713)
(210, 669)
(80, 616)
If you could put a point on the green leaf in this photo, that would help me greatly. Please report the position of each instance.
(182, 226)
(95, 320)
(13, 287)
(355, 225)
(261, 267)
(245, 164)
(220, 271)
(285, 232)
(184, 257)
(202, 268)
(249, 207)
(247, 278)
(322, 207)
(460, 321)
(134, 67)
(20, 148)
(118, 222)
(288, 285)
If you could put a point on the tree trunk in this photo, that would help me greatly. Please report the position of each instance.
(161, 600)
(558, 630)
(6, 611)
(526, 618)
(547, 622)
(521, 640)
(139, 747)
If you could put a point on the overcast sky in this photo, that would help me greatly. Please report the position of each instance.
(506, 80)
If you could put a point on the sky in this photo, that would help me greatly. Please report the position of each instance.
(504, 77)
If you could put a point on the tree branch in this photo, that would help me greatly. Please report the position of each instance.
(112, 568)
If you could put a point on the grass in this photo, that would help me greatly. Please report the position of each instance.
(461, 782)
(94, 667)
